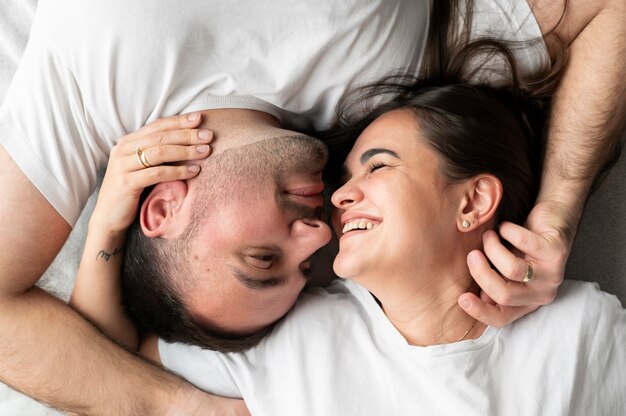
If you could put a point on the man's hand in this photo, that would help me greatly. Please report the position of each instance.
(586, 118)
(544, 246)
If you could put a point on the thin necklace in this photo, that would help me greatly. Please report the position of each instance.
(443, 319)
(474, 322)
(464, 335)
(411, 341)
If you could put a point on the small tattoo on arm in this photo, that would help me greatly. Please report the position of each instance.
(106, 255)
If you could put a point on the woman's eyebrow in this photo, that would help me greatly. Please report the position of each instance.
(368, 154)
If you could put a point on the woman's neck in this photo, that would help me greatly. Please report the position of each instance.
(425, 310)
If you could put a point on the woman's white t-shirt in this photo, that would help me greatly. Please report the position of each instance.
(336, 353)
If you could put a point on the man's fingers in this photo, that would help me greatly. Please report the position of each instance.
(523, 239)
(507, 263)
(503, 292)
(486, 298)
(492, 315)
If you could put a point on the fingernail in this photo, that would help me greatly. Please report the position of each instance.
(471, 258)
(203, 149)
(205, 134)
(193, 117)
(193, 168)
(465, 304)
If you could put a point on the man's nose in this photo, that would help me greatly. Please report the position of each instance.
(310, 234)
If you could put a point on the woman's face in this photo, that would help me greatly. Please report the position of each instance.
(396, 213)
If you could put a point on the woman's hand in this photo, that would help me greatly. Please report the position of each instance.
(142, 159)
(136, 162)
(544, 246)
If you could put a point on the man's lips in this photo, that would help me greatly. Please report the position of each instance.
(310, 194)
(306, 189)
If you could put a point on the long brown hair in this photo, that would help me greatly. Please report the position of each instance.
(475, 128)
(450, 49)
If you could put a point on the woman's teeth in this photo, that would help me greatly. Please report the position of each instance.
(360, 224)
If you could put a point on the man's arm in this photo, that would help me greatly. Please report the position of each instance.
(589, 107)
(47, 350)
(587, 113)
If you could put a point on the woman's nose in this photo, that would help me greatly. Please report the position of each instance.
(345, 196)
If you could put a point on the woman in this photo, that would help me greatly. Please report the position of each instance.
(433, 168)
(436, 168)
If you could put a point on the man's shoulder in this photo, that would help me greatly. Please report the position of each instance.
(318, 307)
(325, 299)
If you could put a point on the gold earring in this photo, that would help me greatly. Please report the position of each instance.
(466, 224)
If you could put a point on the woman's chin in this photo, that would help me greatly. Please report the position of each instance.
(347, 266)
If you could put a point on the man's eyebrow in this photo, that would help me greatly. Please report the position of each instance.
(256, 283)
(368, 154)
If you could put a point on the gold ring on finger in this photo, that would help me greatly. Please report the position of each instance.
(529, 273)
(141, 157)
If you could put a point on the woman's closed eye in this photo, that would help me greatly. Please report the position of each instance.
(371, 168)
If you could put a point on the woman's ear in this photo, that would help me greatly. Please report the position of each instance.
(162, 213)
(480, 203)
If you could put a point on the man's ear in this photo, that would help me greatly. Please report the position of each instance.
(162, 213)
(483, 194)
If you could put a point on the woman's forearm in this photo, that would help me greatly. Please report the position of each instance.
(97, 290)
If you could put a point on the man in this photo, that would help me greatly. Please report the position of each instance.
(159, 60)
(594, 34)
(214, 259)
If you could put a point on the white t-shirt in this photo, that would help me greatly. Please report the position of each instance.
(94, 71)
(336, 353)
